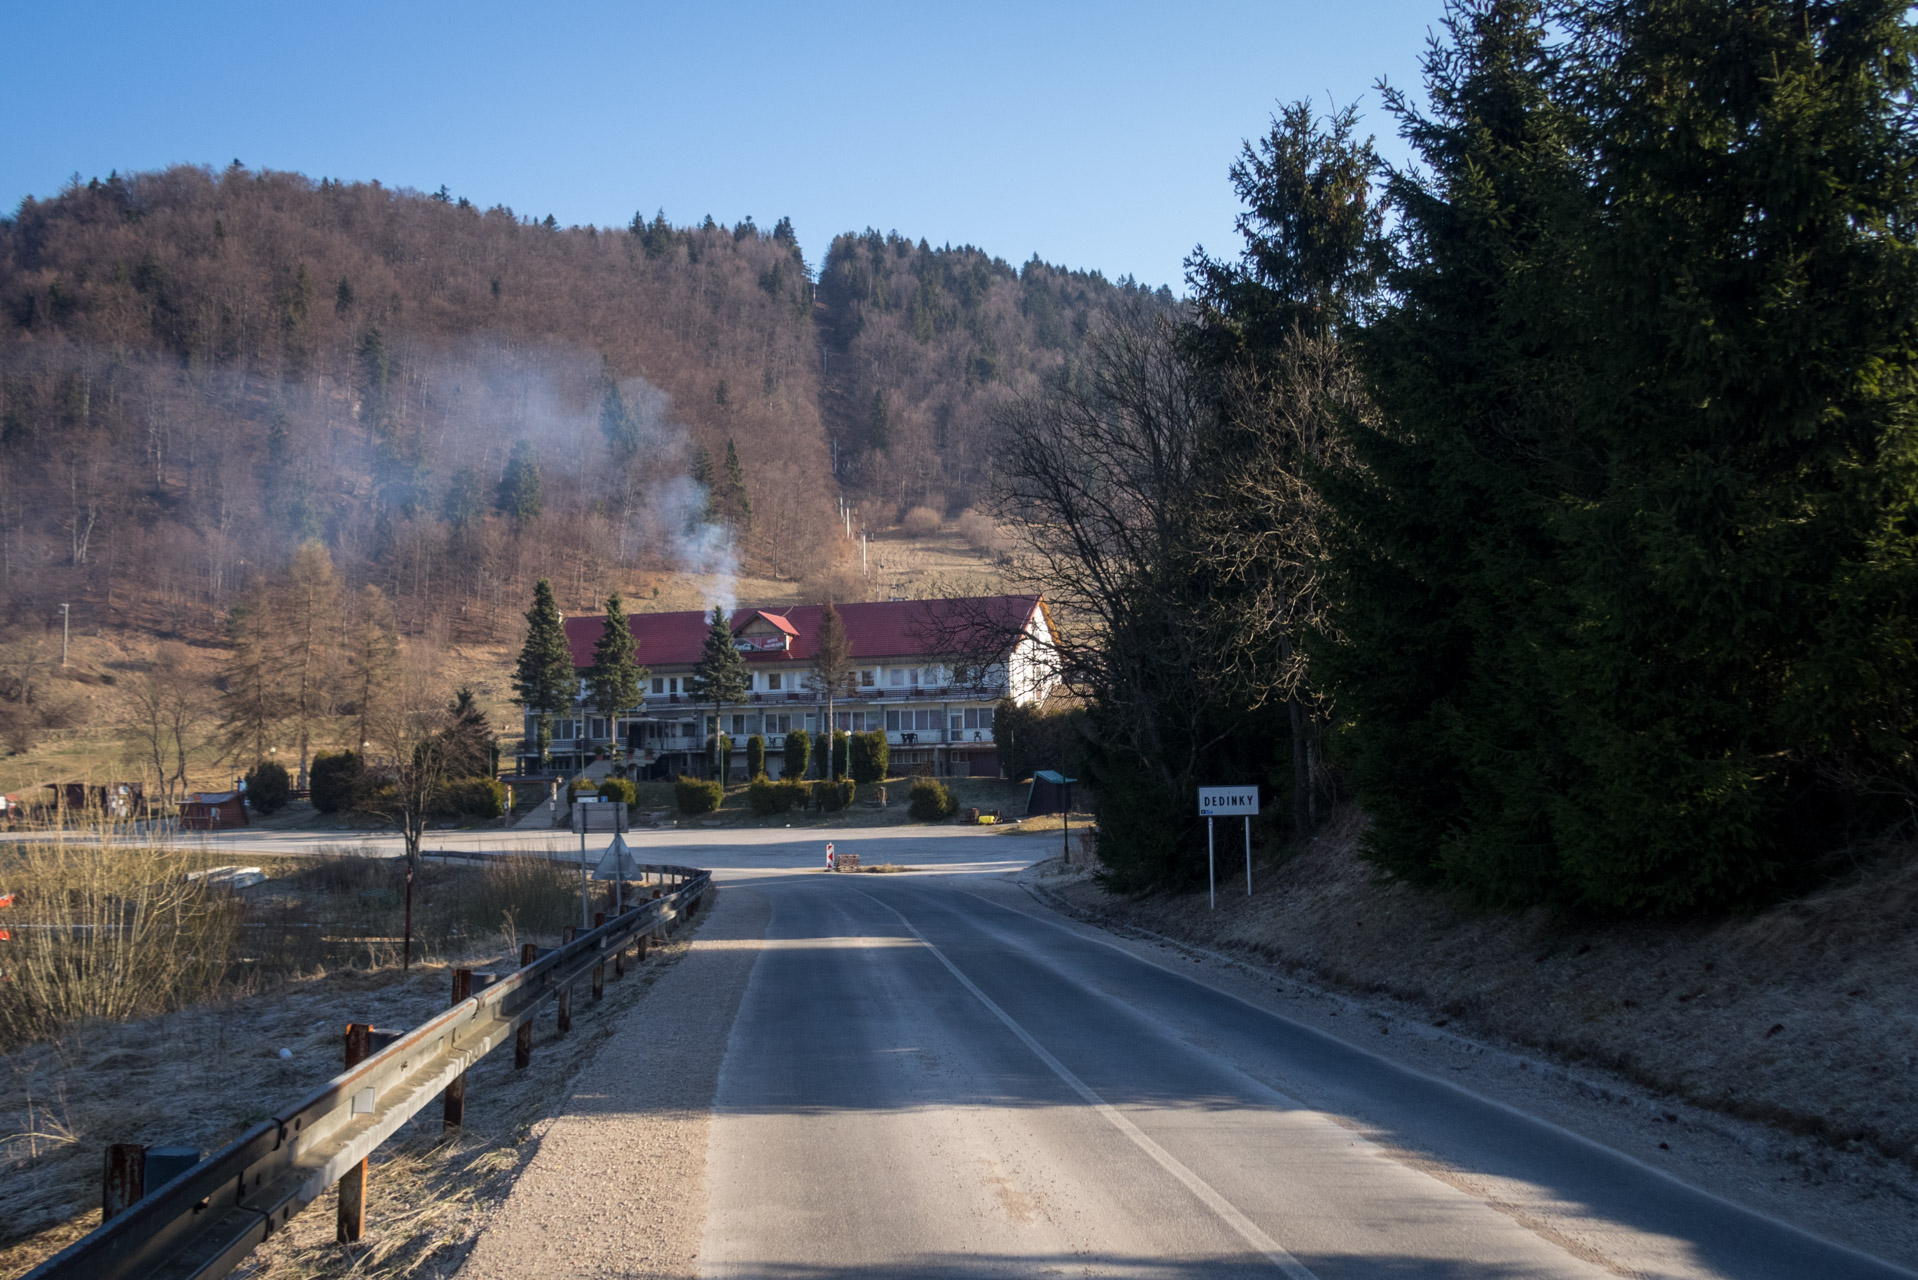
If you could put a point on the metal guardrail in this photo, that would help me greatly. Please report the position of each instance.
(203, 1222)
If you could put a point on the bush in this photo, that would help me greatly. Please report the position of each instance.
(470, 798)
(755, 756)
(798, 753)
(831, 797)
(931, 801)
(267, 787)
(841, 755)
(870, 756)
(768, 797)
(333, 780)
(921, 522)
(697, 795)
(1030, 738)
(580, 787)
(619, 789)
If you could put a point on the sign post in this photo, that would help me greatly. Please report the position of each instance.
(1228, 802)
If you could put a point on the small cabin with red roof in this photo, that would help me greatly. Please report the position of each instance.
(927, 672)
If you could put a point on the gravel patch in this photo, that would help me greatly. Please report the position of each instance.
(618, 1185)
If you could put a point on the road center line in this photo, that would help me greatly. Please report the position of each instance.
(1224, 1209)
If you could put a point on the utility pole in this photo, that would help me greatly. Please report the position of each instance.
(66, 615)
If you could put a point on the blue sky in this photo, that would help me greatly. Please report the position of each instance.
(1095, 135)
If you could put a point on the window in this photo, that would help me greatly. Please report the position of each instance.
(865, 678)
(596, 728)
(977, 718)
(926, 721)
(899, 677)
(812, 724)
(739, 727)
(779, 724)
(913, 672)
(672, 685)
(958, 723)
(773, 679)
(659, 684)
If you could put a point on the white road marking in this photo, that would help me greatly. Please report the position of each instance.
(1225, 1210)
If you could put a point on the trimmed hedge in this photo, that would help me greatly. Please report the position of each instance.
(267, 787)
(831, 797)
(334, 780)
(618, 789)
(798, 753)
(755, 756)
(697, 795)
(470, 798)
(931, 801)
(768, 797)
(870, 757)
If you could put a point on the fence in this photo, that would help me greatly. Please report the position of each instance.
(205, 1220)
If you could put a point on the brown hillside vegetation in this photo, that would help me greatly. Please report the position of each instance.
(1798, 1016)
(200, 370)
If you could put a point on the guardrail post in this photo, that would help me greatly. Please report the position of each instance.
(454, 1116)
(566, 992)
(124, 1181)
(599, 970)
(523, 1042)
(352, 1212)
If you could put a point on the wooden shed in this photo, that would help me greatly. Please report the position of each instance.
(213, 811)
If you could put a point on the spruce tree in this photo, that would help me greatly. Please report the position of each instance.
(544, 680)
(739, 504)
(1445, 574)
(520, 495)
(615, 678)
(832, 672)
(720, 676)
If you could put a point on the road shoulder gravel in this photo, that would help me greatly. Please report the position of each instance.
(618, 1186)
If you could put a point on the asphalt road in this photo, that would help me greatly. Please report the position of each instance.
(926, 1078)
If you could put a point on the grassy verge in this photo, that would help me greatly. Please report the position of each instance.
(199, 1075)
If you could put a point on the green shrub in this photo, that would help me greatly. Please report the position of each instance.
(794, 793)
(267, 787)
(768, 797)
(697, 795)
(870, 757)
(831, 797)
(333, 780)
(798, 753)
(755, 756)
(580, 787)
(930, 800)
(841, 754)
(470, 798)
(618, 789)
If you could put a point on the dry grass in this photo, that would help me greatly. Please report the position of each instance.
(1800, 1016)
(199, 1076)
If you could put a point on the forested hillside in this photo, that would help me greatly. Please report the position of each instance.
(200, 370)
(923, 346)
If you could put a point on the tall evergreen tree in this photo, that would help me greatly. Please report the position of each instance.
(520, 495)
(720, 676)
(739, 503)
(832, 670)
(373, 663)
(544, 680)
(615, 677)
(1744, 629)
(616, 422)
(1445, 572)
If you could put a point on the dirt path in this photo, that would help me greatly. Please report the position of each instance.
(618, 1185)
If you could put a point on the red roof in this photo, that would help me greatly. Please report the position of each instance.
(874, 630)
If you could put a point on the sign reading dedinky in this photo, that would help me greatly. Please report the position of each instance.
(1228, 802)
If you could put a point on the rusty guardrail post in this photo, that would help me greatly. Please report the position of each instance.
(523, 1042)
(454, 1116)
(352, 1211)
(124, 1180)
(599, 970)
(566, 992)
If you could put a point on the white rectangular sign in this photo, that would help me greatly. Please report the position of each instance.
(1228, 802)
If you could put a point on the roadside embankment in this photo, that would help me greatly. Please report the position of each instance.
(1803, 1016)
